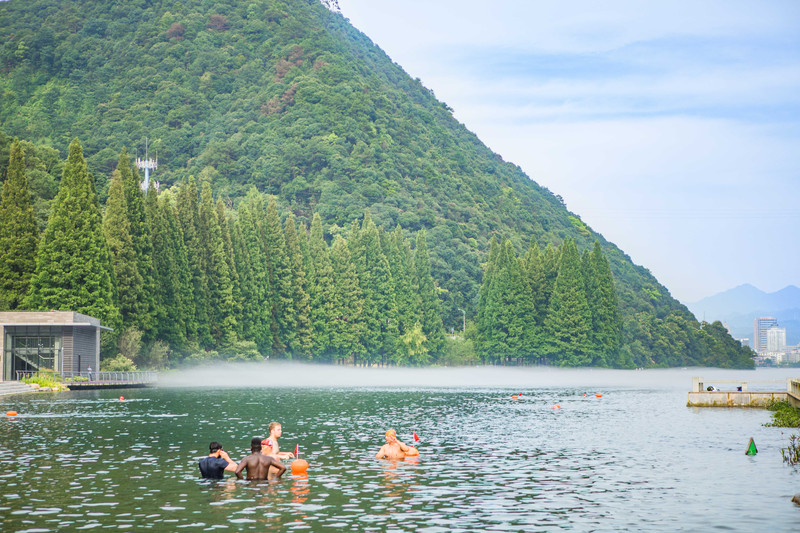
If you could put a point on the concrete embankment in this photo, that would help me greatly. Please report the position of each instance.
(737, 393)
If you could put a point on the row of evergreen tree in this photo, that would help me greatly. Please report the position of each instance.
(556, 307)
(193, 277)
(186, 271)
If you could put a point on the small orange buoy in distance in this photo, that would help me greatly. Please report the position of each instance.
(299, 466)
(11, 413)
(557, 406)
(412, 452)
(122, 398)
(515, 397)
(599, 395)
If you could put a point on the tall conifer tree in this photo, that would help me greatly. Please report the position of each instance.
(301, 341)
(19, 235)
(246, 307)
(430, 306)
(227, 243)
(170, 268)
(348, 326)
(73, 265)
(606, 320)
(483, 319)
(222, 316)
(142, 244)
(533, 272)
(280, 276)
(407, 294)
(187, 216)
(321, 291)
(569, 321)
(377, 288)
(116, 227)
(260, 316)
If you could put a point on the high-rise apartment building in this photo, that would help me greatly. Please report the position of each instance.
(776, 339)
(760, 327)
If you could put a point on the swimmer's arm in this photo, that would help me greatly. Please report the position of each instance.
(239, 468)
(403, 446)
(285, 455)
(281, 469)
(381, 453)
(231, 464)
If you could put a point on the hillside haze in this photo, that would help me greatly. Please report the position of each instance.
(287, 96)
(741, 305)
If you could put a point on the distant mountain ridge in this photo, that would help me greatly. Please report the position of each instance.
(741, 305)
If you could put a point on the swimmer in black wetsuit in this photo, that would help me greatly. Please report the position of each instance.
(217, 462)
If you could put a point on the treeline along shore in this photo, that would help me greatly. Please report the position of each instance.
(182, 277)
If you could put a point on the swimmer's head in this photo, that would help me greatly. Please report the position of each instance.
(255, 444)
(214, 447)
(273, 425)
(391, 434)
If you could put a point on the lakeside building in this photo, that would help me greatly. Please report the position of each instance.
(760, 327)
(58, 341)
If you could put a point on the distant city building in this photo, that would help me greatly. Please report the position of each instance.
(776, 339)
(745, 341)
(760, 327)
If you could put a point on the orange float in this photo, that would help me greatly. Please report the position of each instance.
(299, 466)
(599, 395)
(515, 397)
(11, 413)
(556, 406)
(122, 398)
(412, 452)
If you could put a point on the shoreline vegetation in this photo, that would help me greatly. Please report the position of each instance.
(786, 416)
(181, 278)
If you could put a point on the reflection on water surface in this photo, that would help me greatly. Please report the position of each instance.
(635, 459)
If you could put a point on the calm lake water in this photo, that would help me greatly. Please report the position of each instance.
(635, 459)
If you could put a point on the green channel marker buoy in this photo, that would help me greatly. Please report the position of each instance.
(751, 448)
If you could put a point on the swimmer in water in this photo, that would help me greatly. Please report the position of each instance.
(269, 446)
(393, 449)
(258, 464)
(217, 462)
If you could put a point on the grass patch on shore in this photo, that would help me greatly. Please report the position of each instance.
(42, 382)
(786, 416)
(783, 415)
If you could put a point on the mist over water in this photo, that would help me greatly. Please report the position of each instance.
(293, 374)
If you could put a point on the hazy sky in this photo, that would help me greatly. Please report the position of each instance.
(672, 128)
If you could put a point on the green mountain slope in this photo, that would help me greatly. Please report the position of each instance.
(287, 96)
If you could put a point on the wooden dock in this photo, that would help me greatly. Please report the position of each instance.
(727, 393)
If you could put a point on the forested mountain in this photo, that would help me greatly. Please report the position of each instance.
(287, 97)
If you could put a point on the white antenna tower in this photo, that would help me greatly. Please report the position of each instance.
(146, 164)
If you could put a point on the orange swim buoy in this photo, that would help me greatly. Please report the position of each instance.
(556, 406)
(599, 395)
(299, 466)
(412, 452)
(122, 398)
(515, 397)
(11, 413)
